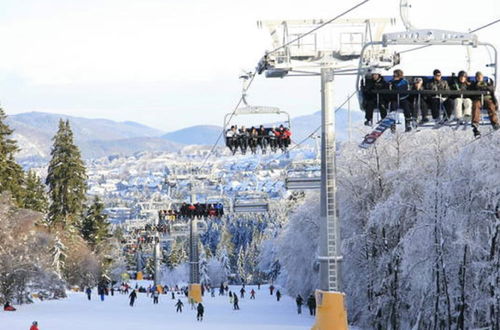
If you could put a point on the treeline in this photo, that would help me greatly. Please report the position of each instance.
(52, 237)
(421, 233)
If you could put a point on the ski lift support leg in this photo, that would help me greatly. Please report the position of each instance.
(331, 311)
(194, 264)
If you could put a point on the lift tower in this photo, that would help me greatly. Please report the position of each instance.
(331, 49)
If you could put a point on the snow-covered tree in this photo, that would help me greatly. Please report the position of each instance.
(204, 275)
(58, 256)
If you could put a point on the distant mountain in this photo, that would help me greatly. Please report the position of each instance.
(102, 137)
(201, 134)
(95, 137)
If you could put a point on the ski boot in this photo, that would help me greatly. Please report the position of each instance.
(475, 130)
(407, 125)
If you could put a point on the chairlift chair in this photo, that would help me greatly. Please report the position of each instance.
(256, 202)
(303, 175)
(420, 37)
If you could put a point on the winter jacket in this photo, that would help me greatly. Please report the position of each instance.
(299, 301)
(372, 84)
(311, 302)
(201, 309)
(34, 327)
(486, 87)
(399, 85)
(459, 86)
(437, 85)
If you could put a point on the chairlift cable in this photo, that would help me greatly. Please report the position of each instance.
(318, 27)
(472, 31)
(315, 131)
(242, 99)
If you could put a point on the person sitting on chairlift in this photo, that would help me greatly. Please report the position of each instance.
(243, 136)
(273, 136)
(254, 137)
(489, 101)
(231, 136)
(462, 105)
(418, 102)
(262, 139)
(400, 101)
(438, 84)
(371, 101)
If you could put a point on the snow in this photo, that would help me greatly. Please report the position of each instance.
(77, 313)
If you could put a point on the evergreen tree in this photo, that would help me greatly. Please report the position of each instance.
(204, 277)
(240, 265)
(11, 173)
(66, 179)
(177, 255)
(35, 197)
(224, 261)
(95, 226)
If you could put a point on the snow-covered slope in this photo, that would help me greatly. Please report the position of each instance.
(77, 313)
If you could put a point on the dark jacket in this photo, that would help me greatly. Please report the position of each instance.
(437, 85)
(200, 308)
(311, 302)
(399, 85)
(486, 87)
(456, 85)
(372, 84)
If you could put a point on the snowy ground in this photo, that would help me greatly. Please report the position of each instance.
(77, 313)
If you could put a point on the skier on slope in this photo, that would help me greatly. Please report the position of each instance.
(278, 295)
(235, 302)
(201, 310)
(89, 293)
(242, 292)
(311, 303)
(132, 297)
(271, 289)
(252, 294)
(156, 295)
(299, 302)
(179, 306)
(34, 326)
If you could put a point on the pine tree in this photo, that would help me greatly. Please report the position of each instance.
(66, 179)
(11, 173)
(224, 261)
(95, 226)
(240, 265)
(204, 277)
(35, 197)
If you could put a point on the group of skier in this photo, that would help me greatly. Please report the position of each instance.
(311, 304)
(463, 109)
(243, 138)
(190, 211)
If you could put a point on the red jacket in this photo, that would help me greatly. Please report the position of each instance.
(34, 327)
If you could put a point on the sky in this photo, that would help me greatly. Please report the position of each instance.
(171, 64)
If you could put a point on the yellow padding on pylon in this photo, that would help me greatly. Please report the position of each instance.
(195, 292)
(331, 313)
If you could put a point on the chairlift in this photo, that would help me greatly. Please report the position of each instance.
(256, 202)
(419, 37)
(303, 175)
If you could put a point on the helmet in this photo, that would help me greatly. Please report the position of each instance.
(35, 323)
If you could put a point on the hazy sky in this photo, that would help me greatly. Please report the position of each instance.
(171, 64)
